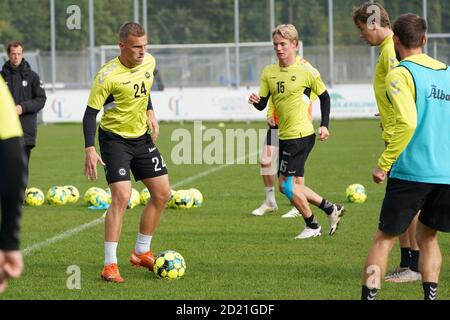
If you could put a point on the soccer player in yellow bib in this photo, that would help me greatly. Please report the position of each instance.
(268, 158)
(12, 187)
(290, 86)
(382, 36)
(416, 158)
(127, 133)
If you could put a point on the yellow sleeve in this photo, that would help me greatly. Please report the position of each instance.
(264, 89)
(389, 62)
(100, 91)
(317, 86)
(388, 127)
(9, 120)
(271, 109)
(401, 91)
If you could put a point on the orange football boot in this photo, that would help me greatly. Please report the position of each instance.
(146, 260)
(111, 273)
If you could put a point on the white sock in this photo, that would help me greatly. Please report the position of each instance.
(110, 252)
(142, 243)
(270, 195)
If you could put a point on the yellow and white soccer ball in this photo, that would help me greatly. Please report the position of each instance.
(34, 197)
(356, 193)
(91, 192)
(169, 264)
(145, 196)
(56, 196)
(96, 196)
(183, 199)
(135, 199)
(198, 197)
(72, 194)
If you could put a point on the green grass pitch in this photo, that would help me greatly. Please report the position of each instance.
(229, 253)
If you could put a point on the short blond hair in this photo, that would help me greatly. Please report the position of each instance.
(287, 31)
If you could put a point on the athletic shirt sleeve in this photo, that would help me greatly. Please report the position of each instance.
(316, 83)
(100, 91)
(401, 92)
(264, 90)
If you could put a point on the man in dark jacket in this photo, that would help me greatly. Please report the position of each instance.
(28, 93)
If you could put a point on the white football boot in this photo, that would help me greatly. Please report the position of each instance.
(293, 213)
(335, 217)
(265, 208)
(309, 233)
(405, 275)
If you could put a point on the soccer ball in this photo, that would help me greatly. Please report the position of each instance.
(169, 264)
(108, 193)
(56, 196)
(135, 199)
(183, 199)
(34, 197)
(198, 197)
(145, 196)
(96, 196)
(356, 193)
(90, 193)
(170, 203)
(72, 194)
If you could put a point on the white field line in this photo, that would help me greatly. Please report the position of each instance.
(93, 223)
(61, 236)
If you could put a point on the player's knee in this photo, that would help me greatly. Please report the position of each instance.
(162, 197)
(384, 240)
(266, 161)
(287, 188)
(120, 199)
(424, 240)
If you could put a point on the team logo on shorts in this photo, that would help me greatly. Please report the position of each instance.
(147, 75)
(293, 78)
(122, 172)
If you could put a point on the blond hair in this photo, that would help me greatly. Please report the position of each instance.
(287, 31)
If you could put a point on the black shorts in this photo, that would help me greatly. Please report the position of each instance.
(138, 154)
(404, 198)
(272, 137)
(293, 154)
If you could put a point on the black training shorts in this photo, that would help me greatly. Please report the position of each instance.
(138, 154)
(293, 154)
(272, 137)
(404, 198)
